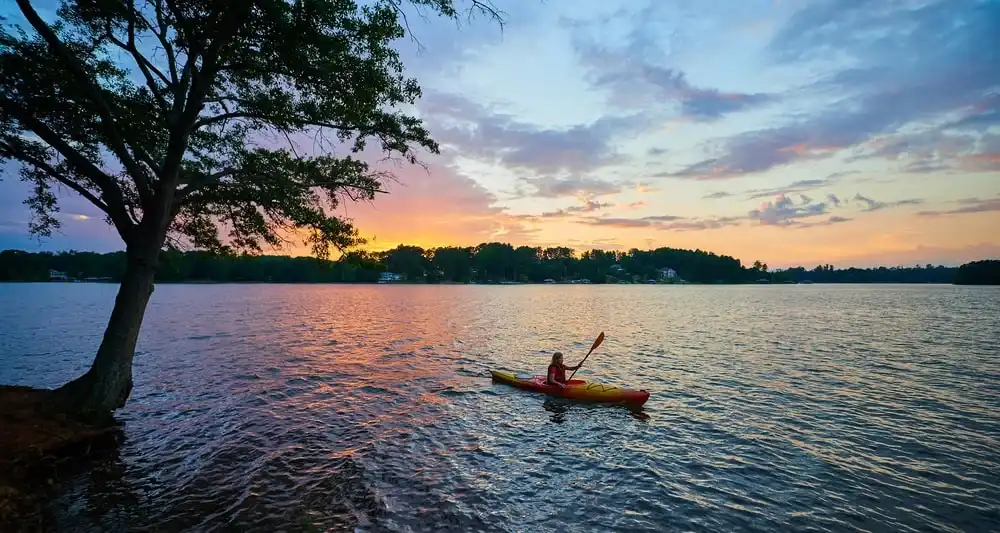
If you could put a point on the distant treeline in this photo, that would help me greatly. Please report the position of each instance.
(486, 263)
(828, 274)
(986, 272)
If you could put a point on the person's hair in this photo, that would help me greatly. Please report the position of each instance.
(555, 356)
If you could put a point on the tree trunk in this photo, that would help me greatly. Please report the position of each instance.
(108, 383)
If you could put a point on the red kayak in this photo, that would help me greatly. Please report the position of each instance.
(576, 389)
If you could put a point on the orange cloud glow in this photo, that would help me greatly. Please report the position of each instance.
(989, 162)
(803, 148)
(435, 207)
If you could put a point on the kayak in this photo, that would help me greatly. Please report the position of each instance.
(576, 389)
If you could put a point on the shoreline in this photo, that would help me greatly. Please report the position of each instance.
(38, 449)
(494, 283)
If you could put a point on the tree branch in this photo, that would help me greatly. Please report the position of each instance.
(205, 180)
(213, 179)
(117, 144)
(201, 80)
(110, 190)
(208, 121)
(145, 66)
(19, 154)
(161, 34)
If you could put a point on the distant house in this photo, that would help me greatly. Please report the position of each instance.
(549, 280)
(668, 273)
(617, 269)
(55, 275)
(389, 277)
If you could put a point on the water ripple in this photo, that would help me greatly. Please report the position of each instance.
(799, 408)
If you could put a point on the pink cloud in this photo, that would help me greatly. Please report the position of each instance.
(432, 207)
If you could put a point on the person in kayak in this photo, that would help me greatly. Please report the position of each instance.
(557, 371)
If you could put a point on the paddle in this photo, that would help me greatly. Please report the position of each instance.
(597, 342)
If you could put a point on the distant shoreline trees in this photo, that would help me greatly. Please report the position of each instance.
(986, 272)
(492, 262)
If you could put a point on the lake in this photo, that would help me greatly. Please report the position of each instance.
(370, 408)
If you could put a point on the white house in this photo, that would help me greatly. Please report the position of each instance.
(617, 268)
(668, 273)
(389, 277)
(55, 275)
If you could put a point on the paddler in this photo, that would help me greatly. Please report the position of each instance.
(557, 371)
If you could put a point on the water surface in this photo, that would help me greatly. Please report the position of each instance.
(369, 408)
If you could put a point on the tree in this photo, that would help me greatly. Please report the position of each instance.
(454, 263)
(494, 260)
(166, 144)
(986, 272)
(524, 259)
(407, 260)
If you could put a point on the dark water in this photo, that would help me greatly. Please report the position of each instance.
(367, 408)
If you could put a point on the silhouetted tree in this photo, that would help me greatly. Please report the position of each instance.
(407, 260)
(986, 272)
(454, 263)
(173, 155)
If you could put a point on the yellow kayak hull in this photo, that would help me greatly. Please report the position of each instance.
(577, 389)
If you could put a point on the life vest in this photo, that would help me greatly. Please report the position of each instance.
(556, 374)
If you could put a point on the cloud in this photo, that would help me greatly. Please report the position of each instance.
(717, 195)
(636, 205)
(783, 212)
(969, 205)
(828, 222)
(987, 162)
(753, 152)
(439, 206)
(907, 65)
(931, 150)
(474, 130)
(665, 222)
(620, 222)
(799, 186)
(82, 225)
(439, 46)
(588, 206)
(980, 117)
(664, 218)
(553, 187)
(645, 188)
(875, 205)
(634, 75)
(926, 167)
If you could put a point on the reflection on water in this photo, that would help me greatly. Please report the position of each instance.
(267, 407)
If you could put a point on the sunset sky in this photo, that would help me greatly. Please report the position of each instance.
(849, 132)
